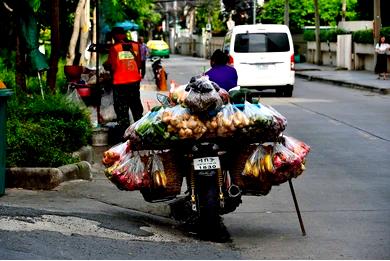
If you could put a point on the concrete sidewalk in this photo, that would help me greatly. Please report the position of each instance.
(364, 80)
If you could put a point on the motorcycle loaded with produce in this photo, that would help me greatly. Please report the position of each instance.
(223, 150)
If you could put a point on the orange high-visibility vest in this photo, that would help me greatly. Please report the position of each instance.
(124, 66)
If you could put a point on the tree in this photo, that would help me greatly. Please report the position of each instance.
(76, 30)
(318, 41)
(55, 44)
(302, 12)
(209, 12)
(240, 9)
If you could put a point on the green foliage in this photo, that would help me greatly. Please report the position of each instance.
(385, 31)
(302, 12)
(7, 68)
(141, 11)
(44, 132)
(210, 9)
(325, 35)
(363, 36)
(366, 36)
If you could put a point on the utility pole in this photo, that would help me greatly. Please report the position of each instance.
(254, 11)
(377, 20)
(174, 25)
(318, 59)
(286, 13)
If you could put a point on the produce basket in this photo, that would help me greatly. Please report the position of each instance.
(174, 180)
(248, 184)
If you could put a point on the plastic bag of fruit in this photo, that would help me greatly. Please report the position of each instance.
(115, 153)
(181, 124)
(131, 174)
(202, 95)
(298, 147)
(260, 162)
(157, 172)
(178, 93)
(258, 171)
(260, 121)
(286, 164)
(228, 120)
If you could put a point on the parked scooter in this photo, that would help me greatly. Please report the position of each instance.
(160, 75)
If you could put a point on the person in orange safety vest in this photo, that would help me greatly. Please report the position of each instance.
(124, 63)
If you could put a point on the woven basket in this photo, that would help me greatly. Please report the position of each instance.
(248, 184)
(174, 180)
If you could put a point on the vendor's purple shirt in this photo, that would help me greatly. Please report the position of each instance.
(224, 75)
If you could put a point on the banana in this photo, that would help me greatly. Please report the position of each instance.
(262, 166)
(157, 178)
(268, 163)
(247, 168)
(163, 179)
(255, 171)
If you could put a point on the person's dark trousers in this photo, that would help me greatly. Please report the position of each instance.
(127, 96)
(143, 68)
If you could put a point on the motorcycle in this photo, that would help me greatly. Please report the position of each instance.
(210, 193)
(160, 75)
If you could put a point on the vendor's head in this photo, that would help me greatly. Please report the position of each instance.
(218, 58)
(118, 33)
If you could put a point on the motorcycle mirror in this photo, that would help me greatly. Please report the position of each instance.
(163, 99)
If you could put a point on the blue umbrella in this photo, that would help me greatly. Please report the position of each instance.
(127, 25)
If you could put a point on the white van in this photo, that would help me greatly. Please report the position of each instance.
(263, 55)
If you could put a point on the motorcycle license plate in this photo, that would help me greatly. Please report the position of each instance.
(207, 163)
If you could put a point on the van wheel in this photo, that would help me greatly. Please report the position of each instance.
(279, 92)
(288, 91)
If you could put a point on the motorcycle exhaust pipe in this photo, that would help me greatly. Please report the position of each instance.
(234, 191)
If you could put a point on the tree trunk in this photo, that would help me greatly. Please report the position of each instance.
(84, 32)
(343, 10)
(318, 59)
(76, 29)
(20, 77)
(92, 62)
(286, 12)
(55, 45)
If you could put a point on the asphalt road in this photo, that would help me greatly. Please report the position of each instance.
(343, 196)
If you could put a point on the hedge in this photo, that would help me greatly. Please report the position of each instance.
(44, 133)
(325, 35)
(361, 36)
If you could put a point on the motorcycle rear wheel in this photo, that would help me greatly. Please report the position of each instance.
(211, 226)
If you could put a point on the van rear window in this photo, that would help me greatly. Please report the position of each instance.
(261, 42)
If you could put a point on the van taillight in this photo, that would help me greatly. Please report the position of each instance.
(292, 62)
(230, 60)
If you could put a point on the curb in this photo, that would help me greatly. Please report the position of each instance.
(41, 178)
(46, 178)
(344, 84)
